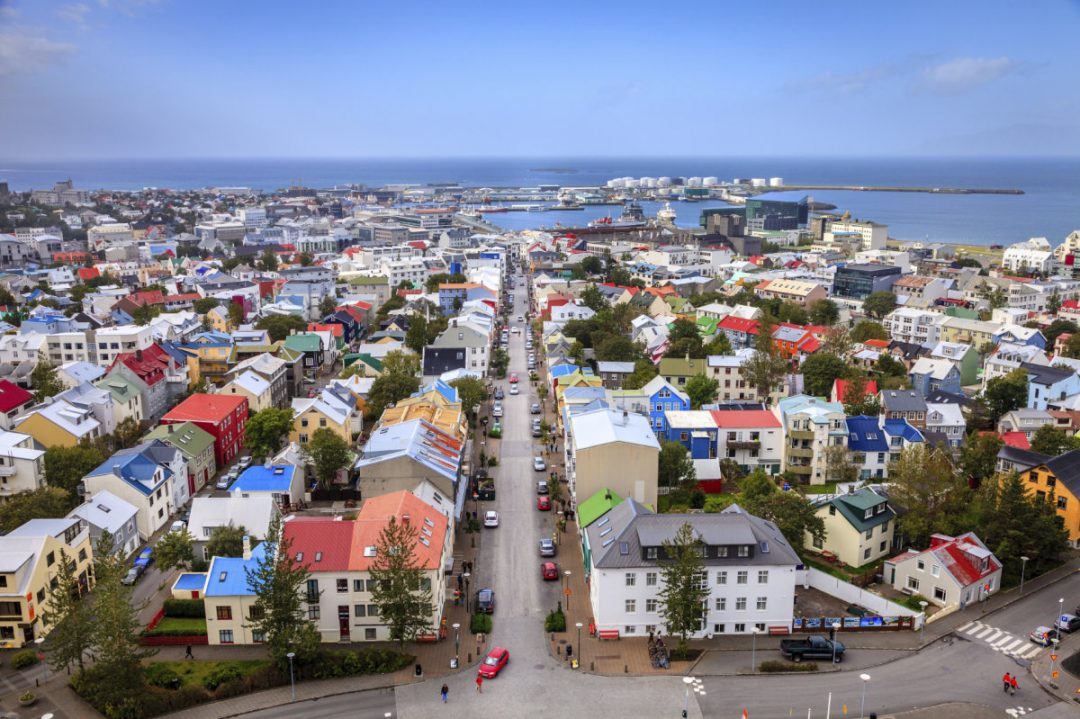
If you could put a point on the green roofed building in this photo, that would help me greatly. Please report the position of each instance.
(596, 506)
(197, 446)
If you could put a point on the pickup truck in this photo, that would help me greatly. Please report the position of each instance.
(815, 647)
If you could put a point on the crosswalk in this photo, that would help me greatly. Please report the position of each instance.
(1018, 711)
(1000, 640)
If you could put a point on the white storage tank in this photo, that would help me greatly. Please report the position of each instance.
(757, 182)
(776, 182)
(693, 182)
(710, 182)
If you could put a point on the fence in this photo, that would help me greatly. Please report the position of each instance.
(883, 614)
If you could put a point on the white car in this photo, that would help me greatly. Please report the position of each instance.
(178, 526)
(496, 411)
(538, 464)
(491, 518)
(244, 462)
(514, 389)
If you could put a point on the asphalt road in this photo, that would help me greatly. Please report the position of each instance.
(362, 705)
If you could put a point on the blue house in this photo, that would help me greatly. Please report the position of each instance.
(694, 429)
(900, 435)
(930, 375)
(282, 482)
(1016, 334)
(654, 399)
(869, 446)
(1049, 384)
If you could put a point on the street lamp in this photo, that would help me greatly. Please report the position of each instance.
(1023, 568)
(457, 627)
(292, 677)
(862, 706)
(566, 589)
(1061, 610)
(579, 625)
(41, 640)
(922, 629)
(836, 630)
(686, 700)
(753, 651)
(466, 575)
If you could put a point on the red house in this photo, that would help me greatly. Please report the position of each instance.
(13, 399)
(222, 415)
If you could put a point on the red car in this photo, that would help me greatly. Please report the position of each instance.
(513, 378)
(550, 571)
(494, 662)
(543, 503)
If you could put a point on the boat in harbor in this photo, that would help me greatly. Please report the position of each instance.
(631, 216)
(666, 215)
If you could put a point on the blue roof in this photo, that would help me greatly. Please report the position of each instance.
(866, 435)
(191, 581)
(276, 478)
(585, 393)
(450, 393)
(227, 576)
(563, 369)
(134, 468)
(900, 427)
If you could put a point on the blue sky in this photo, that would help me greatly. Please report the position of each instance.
(193, 78)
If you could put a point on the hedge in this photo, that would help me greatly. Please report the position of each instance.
(774, 665)
(480, 624)
(25, 658)
(555, 621)
(185, 608)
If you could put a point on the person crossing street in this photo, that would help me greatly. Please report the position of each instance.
(1006, 680)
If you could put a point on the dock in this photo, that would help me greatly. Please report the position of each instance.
(873, 188)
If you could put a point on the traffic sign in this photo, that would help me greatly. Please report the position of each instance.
(567, 591)
(1053, 657)
(1054, 674)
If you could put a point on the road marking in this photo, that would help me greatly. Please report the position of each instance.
(984, 632)
(1030, 651)
(1012, 646)
(966, 627)
(992, 638)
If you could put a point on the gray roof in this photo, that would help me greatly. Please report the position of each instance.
(623, 367)
(903, 400)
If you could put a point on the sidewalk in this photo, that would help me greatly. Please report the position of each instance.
(1065, 686)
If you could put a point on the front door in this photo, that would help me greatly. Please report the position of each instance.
(343, 621)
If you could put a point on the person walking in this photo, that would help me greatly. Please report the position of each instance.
(1006, 680)
(479, 684)
(444, 691)
(187, 653)
(1013, 685)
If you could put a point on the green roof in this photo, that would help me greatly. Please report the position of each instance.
(707, 325)
(304, 342)
(121, 388)
(185, 436)
(596, 507)
(853, 506)
(377, 280)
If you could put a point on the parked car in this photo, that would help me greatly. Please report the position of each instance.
(520, 318)
(549, 571)
(225, 480)
(132, 576)
(493, 663)
(543, 503)
(145, 558)
(178, 525)
(497, 411)
(1068, 623)
(499, 394)
(538, 464)
(1045, 636)
(547, 547)
(541, 486)
(485, 601)
(535, 408)
(244, 462)
(491, 518)
(814, 647)
(514, 389)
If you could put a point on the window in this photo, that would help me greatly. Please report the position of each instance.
(1062, 502)
(257, 636)
(881, 547)
(721, 577)
(342, 585)
(373, 610)
(369, 634)
(719, 628)
(885, 527)
(740, 628)
(868, 514)
(866, 554)
(744, 550)
(224, 614)
(650, 579)
(312, 587)
(832, 510)
(50, 559)
(818, 543)
(721, 604)
(913, 584)
(920, 565)
(359, 610)
(761, 603)
(869, 533)
(631, 579)
(650, 553)
(313, 611)
(939, 594)
(358, 585)
(256, 613)
(225, 636)
(721, 552)
(741, 577)
(763, 576)
(82, 555)
(740, 604)
(650, 605)
(631, 606)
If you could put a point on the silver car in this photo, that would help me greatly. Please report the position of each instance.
(539, 464)
(547, 547)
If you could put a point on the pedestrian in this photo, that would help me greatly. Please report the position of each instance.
(187, 653)
(1006, 680)
(1013, 684)
(444, 691)
(479, 684)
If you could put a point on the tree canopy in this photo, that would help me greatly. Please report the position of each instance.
(701, 390)
(281, 326)
(675, 469)
(405, 603)
(266, 431)
(328, 452)
(879, 304)
(820, 370)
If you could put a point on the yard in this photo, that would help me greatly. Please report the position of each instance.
(196, 673)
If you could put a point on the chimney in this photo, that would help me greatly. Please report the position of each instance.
(170, 428)
(247, 547)
(405, 519)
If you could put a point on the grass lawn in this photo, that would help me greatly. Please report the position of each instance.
(827, 488)
(181, 625)
(194, 672)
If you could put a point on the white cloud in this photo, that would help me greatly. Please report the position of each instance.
(846, 83)
(964, 74)
(74, 12)
(25, 50)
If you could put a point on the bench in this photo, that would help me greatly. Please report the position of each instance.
(779, 630)
(908, 591)
(427, 637)
(608, 634)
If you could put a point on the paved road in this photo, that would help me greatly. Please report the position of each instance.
(364, 705)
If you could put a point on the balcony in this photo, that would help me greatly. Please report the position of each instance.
(6, 470)
(795, 469)
(746, 444)
(801, 434)
(807, 452)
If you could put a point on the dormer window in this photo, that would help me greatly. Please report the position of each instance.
(744, 550)
(868, 513)
(881, 508)
(650, 552)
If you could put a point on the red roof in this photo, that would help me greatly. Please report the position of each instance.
(738, 324)
(959, 555)
(335, 329)
(1070, 305)
(744, 418)
(201, 407)
(185, 297)
(148, 364)
(840, 388)
(12, 396)
(809, 345)
(88, 273)
(144, 297)
(1016, 439)
(880, 344)
(320, 543)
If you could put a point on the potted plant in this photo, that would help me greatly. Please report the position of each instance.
(27, 699)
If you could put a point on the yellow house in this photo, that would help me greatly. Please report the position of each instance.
(60, 424)
(212, 361)
(969, 332)
(217, 319)
(334, 408)
(859, 528)
(228, 600)
(255, 388)
(1059, 478)
(29, 560)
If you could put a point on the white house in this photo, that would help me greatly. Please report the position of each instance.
(953, 572)
(253, 513)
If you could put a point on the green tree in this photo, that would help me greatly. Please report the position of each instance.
(856, 400)
(278, 613)
(888, 366)
(281, 326)
(398, 362)
(683, 594)
(1053, 303)
(1072, 347)
(416, 336)
(45, 381)
(266, 431)
(127, 434)
(236, 314)
(472, 391)
(718, 345)
(1057, 328)
(116, 645)
(71, 620)
(205, 304)
(268, 261)
(387, 389)
(440, 278)
(820, 370)
(879, 304)
(174, 550)
(327, 305)
(306, 259)
(226, 541)
(592, 265)
(675, 469)
(923, 482)
(1006, 393)
(405, 603)
(617, 348)
(66, 466)
(500, 360)
(978, 456)
(701, 390)
(592, 298)
(793, 515)
(42, 503)
(328, 452)
(142, 314)
(866, 330)
(824, 312)
(793, 313)
(1051, 441)
(764, 371)
(644, 371)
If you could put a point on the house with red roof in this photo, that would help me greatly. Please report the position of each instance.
(13, 400)
(840, 388)
(952, 573)
(751, 438)
(339, 555)
(151, 371)
(740, 332)
(88, 273)
(222, 415)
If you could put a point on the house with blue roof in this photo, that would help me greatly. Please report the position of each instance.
(869, 446)
(140, 480)
(901, 435)
(281, 482)
(229, 599)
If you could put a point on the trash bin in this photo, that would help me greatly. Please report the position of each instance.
(419, 670)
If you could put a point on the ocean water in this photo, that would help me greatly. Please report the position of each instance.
(1050, 206)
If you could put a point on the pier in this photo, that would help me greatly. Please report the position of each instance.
(872, 188)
